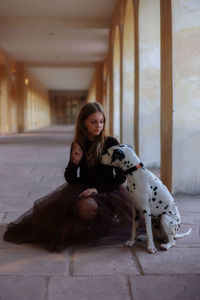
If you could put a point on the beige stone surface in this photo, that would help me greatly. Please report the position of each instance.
(186, 96)
(23, 287)
(173, 287)
(89, 288)
(149, 82)
(104, 261)
(174, 261)
(33, 261)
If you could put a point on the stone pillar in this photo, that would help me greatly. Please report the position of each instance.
(128, 99)
(3, 100)
(166, 92)
(99, 83)
(186, 94)
(116, 84)
(149, 82)
(20, 97)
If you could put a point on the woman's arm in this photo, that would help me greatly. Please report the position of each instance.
(70, 174)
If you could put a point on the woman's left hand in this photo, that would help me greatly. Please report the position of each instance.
(88, 192)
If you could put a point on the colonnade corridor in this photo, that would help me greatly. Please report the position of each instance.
(32, 165)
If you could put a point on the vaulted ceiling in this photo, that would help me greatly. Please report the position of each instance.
(60, 41)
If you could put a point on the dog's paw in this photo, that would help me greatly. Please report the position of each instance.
(129, 243)
(151, 249)
(167, 245)
(141, 238)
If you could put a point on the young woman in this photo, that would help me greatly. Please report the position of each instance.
(89, 203)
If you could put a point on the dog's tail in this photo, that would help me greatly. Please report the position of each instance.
(181, 235)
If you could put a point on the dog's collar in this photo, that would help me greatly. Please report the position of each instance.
(133, 169)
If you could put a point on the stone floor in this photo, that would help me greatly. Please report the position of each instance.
(31, 165)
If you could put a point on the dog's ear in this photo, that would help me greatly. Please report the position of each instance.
(117, 154)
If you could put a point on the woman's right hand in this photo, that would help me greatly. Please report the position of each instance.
(76, 154)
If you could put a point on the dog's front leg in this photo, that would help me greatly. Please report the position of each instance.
(133, 233)
(150, 243)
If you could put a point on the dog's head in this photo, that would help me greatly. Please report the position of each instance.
(119, 156)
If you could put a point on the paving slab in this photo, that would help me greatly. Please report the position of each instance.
(2, 215)
(14, 204)
(33, 261)
(192, 239)
(11, 216)
(188, 203)
(89, 288)
(104, 261)
(173, 261)
(173, 287)
(190, 218)
(23, 287)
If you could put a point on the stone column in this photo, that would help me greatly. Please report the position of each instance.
(186, 94)
(149, 82)
(20, 97)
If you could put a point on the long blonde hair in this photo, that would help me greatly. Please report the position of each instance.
(92, 154)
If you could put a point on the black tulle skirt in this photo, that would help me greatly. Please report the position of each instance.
(53, 220)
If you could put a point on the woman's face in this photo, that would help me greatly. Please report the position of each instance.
(94, 125)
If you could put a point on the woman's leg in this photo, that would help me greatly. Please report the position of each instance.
(87, 208)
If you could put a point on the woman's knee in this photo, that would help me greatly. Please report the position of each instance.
(87, 208)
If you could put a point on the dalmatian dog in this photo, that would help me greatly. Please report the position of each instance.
(149, 195)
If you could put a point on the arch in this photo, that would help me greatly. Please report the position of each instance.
(128, 76)
(116, 84)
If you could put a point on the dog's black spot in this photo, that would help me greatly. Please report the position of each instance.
(156, 179)
(155, 193)
(117, 154)
(153, 199)
(160, 201)
(164, 212)
(144, 212)
(177, 220)
(171, 223)
(155, 188)
(166, 207)
(127, 188)
(149, 199)
(157, 206)
(179, 225)
(151, 187)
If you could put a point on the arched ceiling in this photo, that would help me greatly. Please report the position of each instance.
(60, 41)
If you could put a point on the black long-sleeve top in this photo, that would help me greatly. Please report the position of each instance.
(101, 177)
